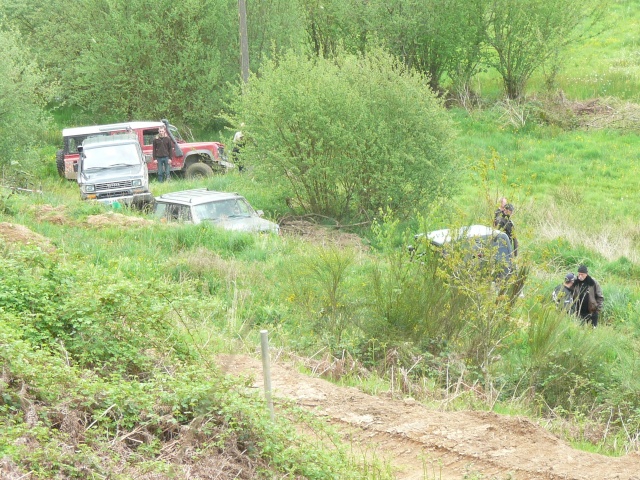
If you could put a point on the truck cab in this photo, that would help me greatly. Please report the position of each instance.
(190, 159)
(113, 169)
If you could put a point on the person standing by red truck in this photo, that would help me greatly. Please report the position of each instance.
(162, 153)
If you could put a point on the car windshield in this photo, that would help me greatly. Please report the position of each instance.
(223, 209)
(111, 156)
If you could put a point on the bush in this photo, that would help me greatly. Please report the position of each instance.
(99, 319)
(348, 136)
(445, 302)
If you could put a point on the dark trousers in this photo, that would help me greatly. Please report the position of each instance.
(164, 169)
(591, 318)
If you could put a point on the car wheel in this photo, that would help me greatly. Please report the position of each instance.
(60, 162)
(198, 170)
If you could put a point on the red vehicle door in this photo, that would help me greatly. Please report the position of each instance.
(146, 137)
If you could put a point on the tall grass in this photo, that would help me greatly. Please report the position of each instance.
(607, 64)
(417, 332)
(604, 63)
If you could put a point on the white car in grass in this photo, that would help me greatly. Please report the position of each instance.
(230, 211)
(475, 239)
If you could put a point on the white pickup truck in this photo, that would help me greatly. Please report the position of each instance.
(112, 169)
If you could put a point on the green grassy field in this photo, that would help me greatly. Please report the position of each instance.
(605, 63)
(183, 294)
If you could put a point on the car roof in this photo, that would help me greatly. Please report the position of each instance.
(440, 237)
(94, 129)
(196, 196)
(101, 141)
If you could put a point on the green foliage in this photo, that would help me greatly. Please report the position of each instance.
(353, 134)
(100, 320)
(55, 322)
(563, 364)
(192, 406)
(445, 299)
(147, 61)
(320, 281)
(443, 37)
(523, 35)
(621, 306)
(606, 64)
(335, 24)
(281, 27)
(139, 306)
(622, 267)
(23, 95)
(188, 236)
(133, 62)
(561, 254)
(411, 300)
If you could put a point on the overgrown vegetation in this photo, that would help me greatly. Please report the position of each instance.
(109, 333)
(23, 122)
(92, 356)
(354, 135)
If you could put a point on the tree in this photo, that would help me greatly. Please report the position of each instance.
(439, 37)
(136, 59)
(335, 24)
(524, 34)
(348, 136)
(55, 33)
(23, 94)
(275, 26)
(147, 59)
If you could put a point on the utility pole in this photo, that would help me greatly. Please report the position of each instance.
(244, 41)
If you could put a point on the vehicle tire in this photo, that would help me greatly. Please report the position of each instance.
(198, 170)
(60, 162)
(145, 205)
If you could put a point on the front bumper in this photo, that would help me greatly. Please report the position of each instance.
(121, 199)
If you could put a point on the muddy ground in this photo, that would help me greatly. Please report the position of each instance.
(424, 444)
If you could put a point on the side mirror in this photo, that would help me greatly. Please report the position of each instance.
(260, 213)
(75, 167)
(148, 158)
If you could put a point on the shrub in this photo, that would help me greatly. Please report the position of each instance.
(321, 283)
(348, 136)
(445, 302)
(99, 319)
(563, 363)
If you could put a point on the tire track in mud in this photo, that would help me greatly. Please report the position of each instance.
(422, 444)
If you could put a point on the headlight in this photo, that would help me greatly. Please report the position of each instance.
(137, 183)
(89, 188)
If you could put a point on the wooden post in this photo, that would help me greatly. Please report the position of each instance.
(266, 370)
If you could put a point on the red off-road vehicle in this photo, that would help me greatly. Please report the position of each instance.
(198, 159)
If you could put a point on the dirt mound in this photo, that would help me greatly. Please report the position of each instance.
(420, 443)
(320, 234)
(13, 234)
(598, 113)
(51, 214)
(110, 219)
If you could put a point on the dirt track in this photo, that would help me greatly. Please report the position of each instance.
(423, 444)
